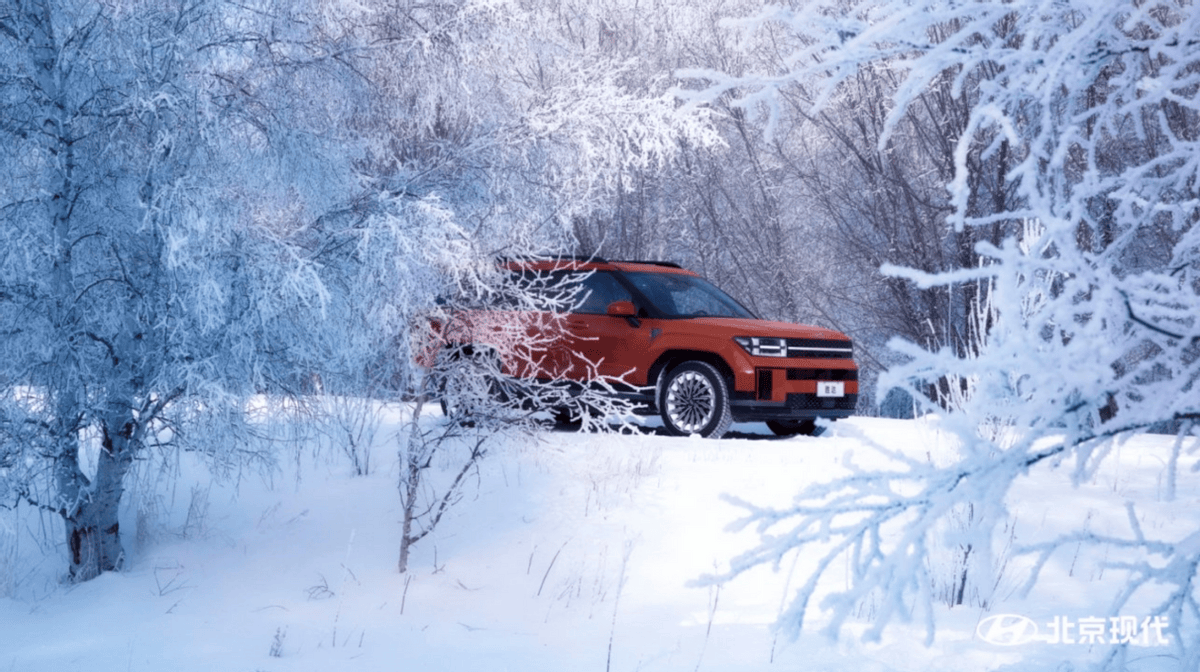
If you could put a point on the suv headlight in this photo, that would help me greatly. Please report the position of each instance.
(763, 346)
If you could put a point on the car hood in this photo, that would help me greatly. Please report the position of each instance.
(734, 326)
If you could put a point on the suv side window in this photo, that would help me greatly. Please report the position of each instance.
(539, 290)
(678, 295)
(597, 291)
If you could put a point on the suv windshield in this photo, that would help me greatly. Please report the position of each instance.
(679, 295)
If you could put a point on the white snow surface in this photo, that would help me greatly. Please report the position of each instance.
(297, 570)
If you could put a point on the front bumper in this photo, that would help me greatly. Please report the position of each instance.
(797, 406)
(790, 393)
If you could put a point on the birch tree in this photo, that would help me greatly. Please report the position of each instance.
(93, 152)
(179, 233)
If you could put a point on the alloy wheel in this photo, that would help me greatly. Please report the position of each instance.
(691, 401)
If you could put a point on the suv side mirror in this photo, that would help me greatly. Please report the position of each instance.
(622, 309)
(625, 309)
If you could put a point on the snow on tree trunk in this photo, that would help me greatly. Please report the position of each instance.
(410, 484)
(92, 526)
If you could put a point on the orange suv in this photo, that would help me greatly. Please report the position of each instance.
(672, 342)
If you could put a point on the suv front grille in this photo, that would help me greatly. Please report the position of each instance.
(766, 380)
(822, 374)
(819, 348)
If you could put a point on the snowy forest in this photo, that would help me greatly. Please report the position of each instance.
(214, 210)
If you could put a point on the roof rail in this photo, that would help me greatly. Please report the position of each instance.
(668, 264)
(595, 259)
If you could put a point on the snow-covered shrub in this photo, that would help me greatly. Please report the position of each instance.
(1091, 258)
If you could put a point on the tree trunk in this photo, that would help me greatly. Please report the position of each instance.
(406, 535)
(409, 486)
(92, 527)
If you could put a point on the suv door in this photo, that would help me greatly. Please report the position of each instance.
(604, 340)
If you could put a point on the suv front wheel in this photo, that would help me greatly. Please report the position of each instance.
(694, 399)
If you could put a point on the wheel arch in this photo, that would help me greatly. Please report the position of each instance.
(673, 358)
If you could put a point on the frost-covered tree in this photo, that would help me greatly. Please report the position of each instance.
(180, 232)
(485, 113)
(205, 200)
(1089, 299)
(100, 132)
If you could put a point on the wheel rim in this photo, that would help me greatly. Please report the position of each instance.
(691, 401)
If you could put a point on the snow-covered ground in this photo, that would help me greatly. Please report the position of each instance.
(568, 552)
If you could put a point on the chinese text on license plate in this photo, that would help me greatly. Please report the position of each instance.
(831, 389)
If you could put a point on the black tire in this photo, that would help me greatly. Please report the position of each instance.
(694, 399)
(454, 408)
(456, 403)
(565, 417)
(466, 385)
(568, 417)
(793, 427)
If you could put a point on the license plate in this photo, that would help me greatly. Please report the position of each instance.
(831, 389)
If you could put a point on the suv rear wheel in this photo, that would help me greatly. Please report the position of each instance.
(694, 399)
(466, 383)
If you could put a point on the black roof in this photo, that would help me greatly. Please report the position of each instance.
(594, 259)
